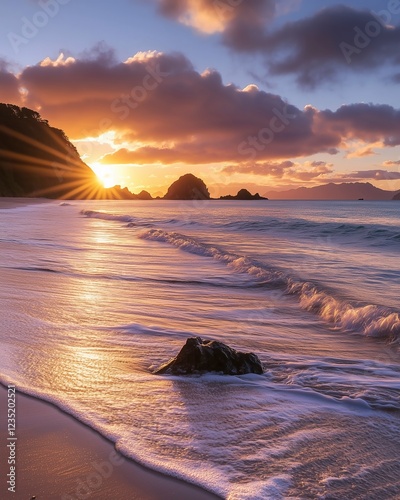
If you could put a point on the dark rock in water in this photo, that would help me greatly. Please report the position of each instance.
(199, 355)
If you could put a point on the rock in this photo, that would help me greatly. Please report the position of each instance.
(243, 194)
(199, 356)
(188, 187)
(396, 196)
(144, 195)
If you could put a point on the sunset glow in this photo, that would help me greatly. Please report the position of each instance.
(199, 251)
(191, 91)
(105, 174)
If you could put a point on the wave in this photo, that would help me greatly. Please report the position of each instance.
(37, 269)
(372, 382)
(373, 235)
(129, 219)
(367, 234)
(369, 319)
(93, 214)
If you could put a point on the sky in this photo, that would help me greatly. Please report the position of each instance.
(262, 94)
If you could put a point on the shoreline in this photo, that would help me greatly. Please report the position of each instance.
(57, 456)
(8, 202)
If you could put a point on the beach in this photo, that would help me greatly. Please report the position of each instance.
(95, 296)
(60, 458)
(7, 203)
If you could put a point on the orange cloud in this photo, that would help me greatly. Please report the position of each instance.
(174, 114)
(212, 16)
(288, 170)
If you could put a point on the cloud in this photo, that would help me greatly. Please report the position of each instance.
(368, 122)
(162, 110)
(313, 49)
(275, 169)
(317, 48)
(184, 153)
(283, 170)
(377, 175)
(361, 153)
(391, 163)
(232, 17)
(9, 86)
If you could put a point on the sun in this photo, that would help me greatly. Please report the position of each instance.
(104, 174)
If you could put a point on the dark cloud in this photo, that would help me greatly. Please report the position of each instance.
(158, 98)
(9, 86)
(168, 112)
(313, 49)
(368, 122)
(339, 38)
(377, 175)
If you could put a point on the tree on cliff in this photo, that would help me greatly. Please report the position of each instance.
(39, 160)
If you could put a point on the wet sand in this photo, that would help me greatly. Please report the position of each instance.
(57, 457)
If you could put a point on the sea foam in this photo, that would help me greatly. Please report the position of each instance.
(369, 319)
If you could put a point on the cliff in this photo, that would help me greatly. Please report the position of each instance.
(39, 160)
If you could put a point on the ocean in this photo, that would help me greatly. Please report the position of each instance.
(94, 296)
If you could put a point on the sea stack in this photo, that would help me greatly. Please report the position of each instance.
(188, 187)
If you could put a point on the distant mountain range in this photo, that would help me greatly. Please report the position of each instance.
(331, 191)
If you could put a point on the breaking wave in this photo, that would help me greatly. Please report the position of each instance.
(369, 319)
(129, 219)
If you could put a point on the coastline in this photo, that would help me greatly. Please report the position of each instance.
(59, 457)
(7, 203)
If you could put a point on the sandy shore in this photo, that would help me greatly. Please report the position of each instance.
(20, 202)
(57, 457)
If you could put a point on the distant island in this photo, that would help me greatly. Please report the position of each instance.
(243, 194)
(331, 191)
(187, 187)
